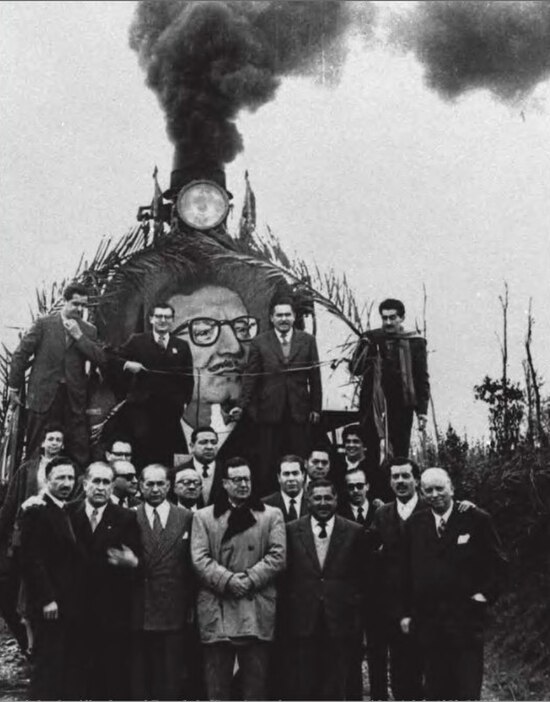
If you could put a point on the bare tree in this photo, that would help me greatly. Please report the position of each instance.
(533, 382)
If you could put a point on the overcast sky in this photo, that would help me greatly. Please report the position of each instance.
(377, 177)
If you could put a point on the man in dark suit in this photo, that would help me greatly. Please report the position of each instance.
(357, 508)
(108, 540)
(27, 480)
(204, 452)
(395, 382)
(454, 568)
(50, 565)
(164, 591)
(290, 499)
(386, 538)
(281, 390)
(162, 384)
(321, 601)
(59, 345)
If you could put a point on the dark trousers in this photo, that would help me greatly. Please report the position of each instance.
(318, 666)
(453, 671)
(157, 665)
(219, 660)
(105, 657)
(405, 665)
(194, 687)
(274, 441)
(400, 420)
(152, 426)
(74, 422)
(55, 673)
(9, 591)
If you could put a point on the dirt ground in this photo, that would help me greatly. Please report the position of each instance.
(504, 680)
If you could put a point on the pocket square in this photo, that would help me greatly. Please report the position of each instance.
(463, 539)
(174, 350)
(185, 536)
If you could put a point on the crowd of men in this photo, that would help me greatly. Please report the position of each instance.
(139, 577)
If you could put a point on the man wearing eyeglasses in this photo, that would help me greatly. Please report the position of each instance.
(125, 485)
(395, 382)
(238, 548)
(218, 328)
(160, 367)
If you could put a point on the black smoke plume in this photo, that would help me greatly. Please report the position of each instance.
(208, 60)
(503, 47)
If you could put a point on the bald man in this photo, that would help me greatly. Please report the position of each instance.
(454, 565)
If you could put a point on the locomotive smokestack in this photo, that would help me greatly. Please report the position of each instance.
(188, 166)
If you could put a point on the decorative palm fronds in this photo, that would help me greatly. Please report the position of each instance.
(130, 260)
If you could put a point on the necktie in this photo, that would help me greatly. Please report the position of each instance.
(292, 513)
(205, 470)
(163, 340)
(94, 519)
(157, 525)
(441, 527)
(285, 345)
(323, 531)
(360, 517)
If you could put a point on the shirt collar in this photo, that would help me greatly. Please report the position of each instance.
(405, 509)
(297, 500)
(199, 466)
(58, 503)
(288, 335)
(364, 507)
(445, 516)
(316, 526)
(156, 337)
(90, 508)
(162, 511)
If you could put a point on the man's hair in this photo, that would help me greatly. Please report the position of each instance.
(320, 448)
(200, 430)
(404, 461)
(320, 483)
(98, 463)
(117, 440)
(162, 305)
(59, 461)
(357, 470)
(235, 462)
(59, 428)
(281, 301)
(352, 430)
(75, 289)
(155, 465)
(291, 458)
(391, 304)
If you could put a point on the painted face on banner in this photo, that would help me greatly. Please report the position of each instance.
(219, 356)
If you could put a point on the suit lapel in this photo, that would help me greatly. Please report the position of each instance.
(336, 539)
(306, 536)
(295, 344)
(169, 533)
(146, 532)
(59, 520)
(276, 345)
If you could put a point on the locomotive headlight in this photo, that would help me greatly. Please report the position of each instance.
(202, 204)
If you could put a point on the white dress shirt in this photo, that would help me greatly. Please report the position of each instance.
(405, 509)
(206, 481)
(364, 507)
(162, 510)
(288, 336)
(56, 502)
(90, 508)
(322, 543)
(442, 517)
(297, 501)
(157, 338)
